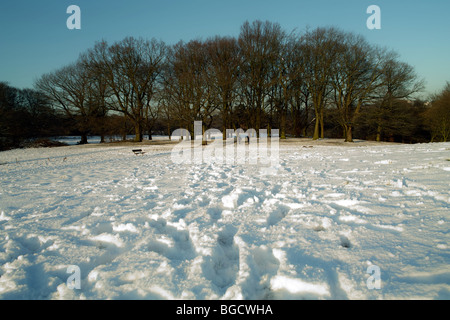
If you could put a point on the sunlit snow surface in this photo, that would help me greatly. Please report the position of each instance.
(143, 227)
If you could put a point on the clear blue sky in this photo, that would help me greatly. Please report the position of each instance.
(34, 38)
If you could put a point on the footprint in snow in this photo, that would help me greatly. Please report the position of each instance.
(277, 215)
(172, 243)
(222, 266)
(344, 241)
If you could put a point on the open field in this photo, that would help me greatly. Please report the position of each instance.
(315, 225)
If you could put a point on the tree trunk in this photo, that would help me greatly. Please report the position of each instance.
(258, 120)
(138, 132)
(283, 125)
(378, 133)
(348, 134)
(83, 139)
(225, 121)
(316, 127)
(124, 128)
(168, 129)
(296, 123)
(444, 130)
(321, 124)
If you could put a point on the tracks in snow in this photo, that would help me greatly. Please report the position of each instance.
(143, 227)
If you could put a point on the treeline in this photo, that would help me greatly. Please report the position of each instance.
(25, 114)
(321, 83)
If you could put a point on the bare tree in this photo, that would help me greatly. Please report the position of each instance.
(131, 69)
(357, 72)
(223, 76)
(298, 94)
(68, 88)
(398, 81)
(293, 94)
(189, 91)
(99, 94)
(260, 45)
(438, 115)
(319, 49)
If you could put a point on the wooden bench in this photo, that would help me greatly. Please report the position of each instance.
(138, 151)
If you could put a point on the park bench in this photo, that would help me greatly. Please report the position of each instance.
(138, 151)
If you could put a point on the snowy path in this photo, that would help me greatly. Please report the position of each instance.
(142, 227)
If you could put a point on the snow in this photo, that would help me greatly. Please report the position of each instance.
(144, 227)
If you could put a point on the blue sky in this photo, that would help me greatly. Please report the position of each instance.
(34, 38)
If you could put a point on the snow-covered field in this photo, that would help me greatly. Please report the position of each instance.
(326, 223)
